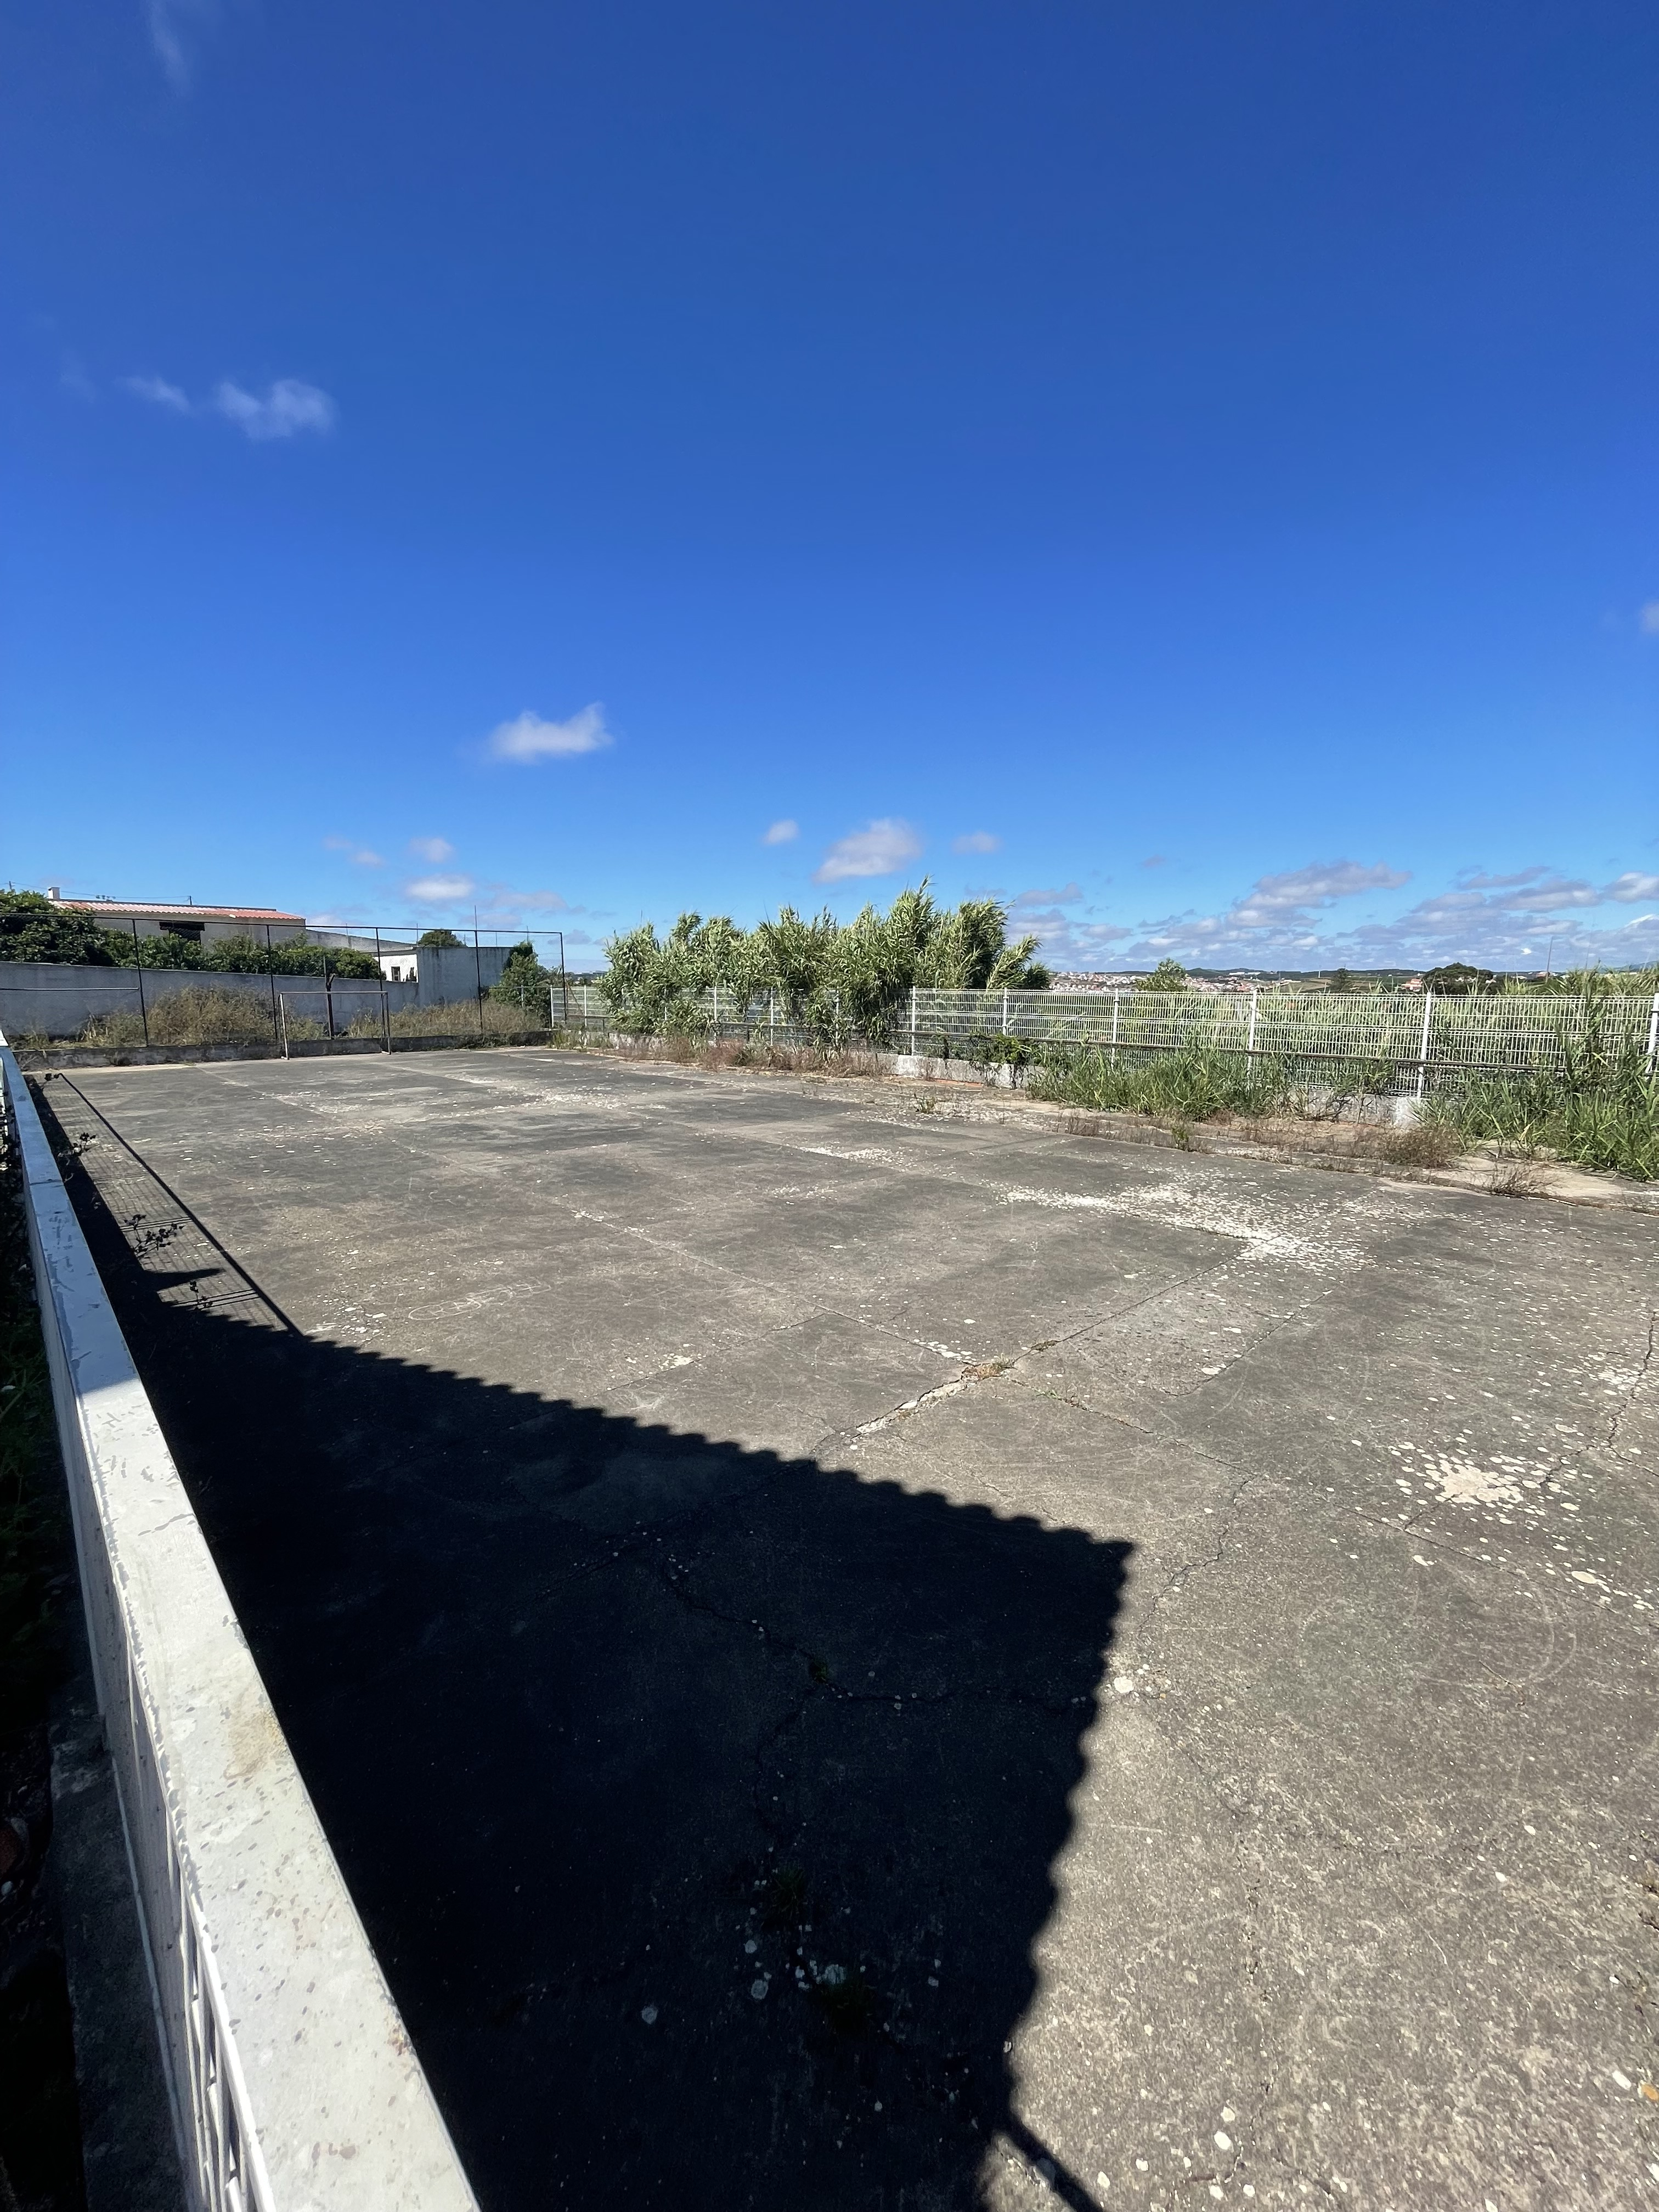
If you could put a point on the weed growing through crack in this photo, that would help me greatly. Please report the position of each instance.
(846, 2000)
(784, 1902)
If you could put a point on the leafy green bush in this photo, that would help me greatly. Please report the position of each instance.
(525, 985)
(34, 928)
(245, 956)
(833, 981)
(1601, 1111)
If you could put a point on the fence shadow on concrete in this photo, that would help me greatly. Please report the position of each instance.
(589, 1709)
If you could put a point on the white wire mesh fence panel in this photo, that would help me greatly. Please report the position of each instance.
(292, 2077)
(1384, 1033)
(1397, 1040)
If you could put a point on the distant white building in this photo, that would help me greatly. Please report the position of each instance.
(445, 975)
(201, 925)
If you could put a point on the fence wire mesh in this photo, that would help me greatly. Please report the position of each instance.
(1400, 1039)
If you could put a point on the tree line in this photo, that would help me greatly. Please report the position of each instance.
(32, 927)
(824, 973)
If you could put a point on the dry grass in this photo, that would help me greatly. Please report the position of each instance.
(1428, 1144)
(680, 1051)
(479, 1018)
(1512, 1178)
(200, 1015)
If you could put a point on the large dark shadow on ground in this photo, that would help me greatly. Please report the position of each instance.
(588, 1708)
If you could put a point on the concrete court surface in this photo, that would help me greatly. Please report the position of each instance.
(852, 1661)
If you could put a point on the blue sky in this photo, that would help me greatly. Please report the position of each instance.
(1188, 469)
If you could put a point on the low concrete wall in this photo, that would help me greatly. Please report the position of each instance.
(40, 997)
(294, 2081)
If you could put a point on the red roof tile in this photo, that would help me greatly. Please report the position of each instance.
(182, 911)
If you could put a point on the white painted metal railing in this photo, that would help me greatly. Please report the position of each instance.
(295, 2087)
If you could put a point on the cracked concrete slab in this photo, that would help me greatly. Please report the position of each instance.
(929, 1665)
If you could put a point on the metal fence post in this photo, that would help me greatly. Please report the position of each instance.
(138, 967)
(1250, 1042)
(1653, 1037)
(1116, 995)
(271, 970)
(1423, 1049)
(1005, 1013)
(912, 1021)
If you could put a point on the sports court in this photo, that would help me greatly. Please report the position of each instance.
(852, 1659)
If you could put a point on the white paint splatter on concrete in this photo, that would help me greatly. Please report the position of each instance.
(1460, 1482)
(1266, 1231)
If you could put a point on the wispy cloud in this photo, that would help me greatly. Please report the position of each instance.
(881, 848)
(781, 833)
(1649, 619)
(504, 906)
(360, 855)
(1048, 895)
(435, 849)
(529, 739)
(1156, 860)
(1079, 946)
(174, 27)
(288, 407)
(158, 393)
(976, 841)
(1319, 885)
(1499, 920)
(438, 890)
(73, 379)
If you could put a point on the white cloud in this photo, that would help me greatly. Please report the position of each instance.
(1649, 619)
(435, 849)
(529, 739)
(1628, 888)
(976, 841)
(171, 23)
(360, 855)
(879, 850)
(781, 833)
(1082, 947)
(159, 392)
(288, 407)
(1318, 884)
(438, 890)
